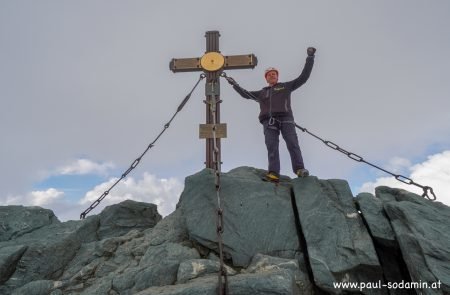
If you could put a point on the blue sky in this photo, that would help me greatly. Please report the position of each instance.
(74, 186)
(85, 87)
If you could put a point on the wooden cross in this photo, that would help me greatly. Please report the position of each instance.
(213, 63)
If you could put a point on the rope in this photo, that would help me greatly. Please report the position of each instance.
(426, 189)
(138, 159)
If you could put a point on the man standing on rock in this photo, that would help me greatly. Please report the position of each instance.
(276, 116)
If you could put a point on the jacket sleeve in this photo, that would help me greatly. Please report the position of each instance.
(247, 94)
(300, 80)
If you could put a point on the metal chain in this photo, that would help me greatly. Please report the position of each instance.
(138, 159)
(426, 189)
(223, 285)
(357, 158)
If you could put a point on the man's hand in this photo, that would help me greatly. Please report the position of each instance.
(311, 51)
(231, 81)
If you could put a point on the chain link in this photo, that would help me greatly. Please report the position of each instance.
(138, 160)
(223, 285)
(427, 191)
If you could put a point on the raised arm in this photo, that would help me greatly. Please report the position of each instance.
(243, 92)
(247, 94)
(304, 76)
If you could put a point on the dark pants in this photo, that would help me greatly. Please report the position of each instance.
(272, 134)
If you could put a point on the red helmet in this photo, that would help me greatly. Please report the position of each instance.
(270, 70)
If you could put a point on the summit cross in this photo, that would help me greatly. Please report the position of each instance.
(212, 63)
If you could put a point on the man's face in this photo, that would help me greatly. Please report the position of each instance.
(272, 78)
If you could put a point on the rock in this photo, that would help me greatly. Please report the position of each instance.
(157, 267)
(422, 230)
(160, 265)
(126, 249)
(161, 274)
(124, 282)
(121, 256)
(264, 263)
(167, 251)
(49, 250)
(383, 236)
(16, 221)
(277, 282)
(96, 259)
(196, 268)
(117, 220)
(70, 250)
(171, 229)
(83, 265)
(40, 287)
(376, 219)
(124, 252)
(339, 247)
(9, 256)
(258, 216)
(280, 282)
(101, 286)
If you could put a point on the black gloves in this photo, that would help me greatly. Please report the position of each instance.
(311, 51)
(231, 81)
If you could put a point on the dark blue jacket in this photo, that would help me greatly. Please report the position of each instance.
(275, 101)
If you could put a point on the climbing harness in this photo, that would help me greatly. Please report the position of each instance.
(427, 190)
(223, 276)
(136, 162)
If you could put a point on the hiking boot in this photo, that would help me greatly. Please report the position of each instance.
(302, 172)
(272, 177)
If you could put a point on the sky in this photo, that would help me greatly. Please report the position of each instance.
(85, 86)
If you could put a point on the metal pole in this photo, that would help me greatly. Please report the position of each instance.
(212, 83)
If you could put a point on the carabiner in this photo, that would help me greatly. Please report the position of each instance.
(425, 193)
(271, 121)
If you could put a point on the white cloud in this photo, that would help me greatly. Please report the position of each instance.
(36, 198)
(40, 198)
(434, 172)
(85, 166)
(398, 165)
(162, 192)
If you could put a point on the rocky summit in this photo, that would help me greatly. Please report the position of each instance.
(302, 236)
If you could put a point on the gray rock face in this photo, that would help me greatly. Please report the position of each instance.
(9, 256)
(41, 287)
(376, 219)
(51, 250)
(195, 268)
(258, 216)
(16, 221)
(160, 264)
(339, 246)
(422, 229)
(128, 249)
(263, 264)
(385, 241)
(121, 218)
(280, 282)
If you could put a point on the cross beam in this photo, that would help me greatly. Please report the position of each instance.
(212, 63)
